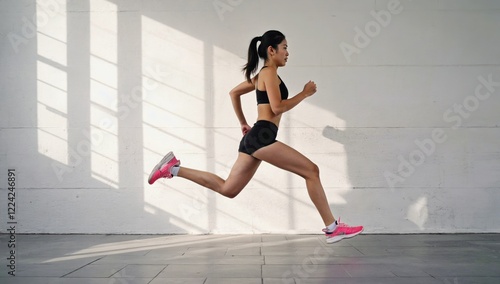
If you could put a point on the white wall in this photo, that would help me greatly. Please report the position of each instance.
(82, 138)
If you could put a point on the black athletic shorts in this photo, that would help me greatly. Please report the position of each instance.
(262, 134)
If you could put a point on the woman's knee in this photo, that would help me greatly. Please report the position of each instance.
(315, 170)
(312, 171)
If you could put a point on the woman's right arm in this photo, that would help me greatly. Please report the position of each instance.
(236, 93)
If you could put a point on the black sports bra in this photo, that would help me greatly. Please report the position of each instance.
(262, 97)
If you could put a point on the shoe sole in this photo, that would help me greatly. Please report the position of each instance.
(169, 156)
(339, 238)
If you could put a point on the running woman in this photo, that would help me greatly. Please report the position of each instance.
(259, 142)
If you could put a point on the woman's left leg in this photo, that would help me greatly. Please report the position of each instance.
(242, 171)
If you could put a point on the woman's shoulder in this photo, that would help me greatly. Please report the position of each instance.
(267, 73)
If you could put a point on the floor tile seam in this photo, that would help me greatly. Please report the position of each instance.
(261, 272)
(160, 273)
(147, 252)
(111, 276)
(388, 267)
(433, 275)
(393, 277)
(214, 265)
(82, 267)
(356, 248)
(264, 257)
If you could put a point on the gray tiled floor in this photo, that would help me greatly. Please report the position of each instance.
(259, 259)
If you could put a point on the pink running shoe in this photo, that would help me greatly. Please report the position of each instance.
(162, 170)
(342, 231)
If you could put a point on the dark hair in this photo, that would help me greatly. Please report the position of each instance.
(269, 38)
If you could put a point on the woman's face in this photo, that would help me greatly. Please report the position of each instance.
(280, 55)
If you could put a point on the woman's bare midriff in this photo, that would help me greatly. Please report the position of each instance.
(265, 113)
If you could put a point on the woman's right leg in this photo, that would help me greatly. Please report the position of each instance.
(242, 171)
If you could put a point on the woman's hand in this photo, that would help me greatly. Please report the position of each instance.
(245, 128)
(310, 88)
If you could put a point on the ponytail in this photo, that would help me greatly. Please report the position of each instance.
(269, 38)
(253, 58)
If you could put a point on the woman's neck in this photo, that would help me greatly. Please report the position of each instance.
(271, 64)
